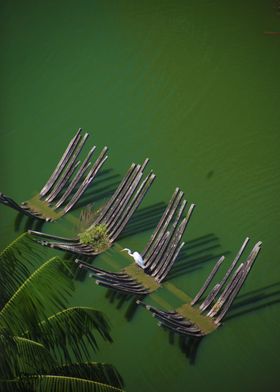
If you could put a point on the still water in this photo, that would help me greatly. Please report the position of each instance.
(193, 85)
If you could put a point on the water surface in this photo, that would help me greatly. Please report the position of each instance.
(194, 86)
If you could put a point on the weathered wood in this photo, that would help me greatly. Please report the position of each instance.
(109, 203)
(128, 188)
(51, 236)
(61, 183)
(228, 289)
(175, 321)
(125, 198)
(97, 270)
(204, 324)
(123, 202)
(39, 206)
(137, 199)
(158, 251)
(214, 292)
(87, 181)
(160, 224)
(210, 298)
(247, 267)
(149, 255)
(123, 194)
(62, 163)
(174, 248)
(85, 165)
(67, 171)
(159, 259)
(157, 256)
(180, 213)
(131, 284)
(160, 277)
(8, 201)
(208, 280)
(134, 279)
(125, 290)
(173, 240)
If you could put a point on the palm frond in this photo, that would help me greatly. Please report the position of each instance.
(12, 385)
(72, 332)
(8, 355)
(16, 261)
(47, 383)
(93, 371)
(22, 356)
(45, 292)
(33, 357)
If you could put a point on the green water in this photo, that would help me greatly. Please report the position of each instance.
(195, 86)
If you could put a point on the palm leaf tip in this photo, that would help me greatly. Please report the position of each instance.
(22, 356)
(46, 383)
(93, 371)
(46, 291)
(73, 332)
(17, 261)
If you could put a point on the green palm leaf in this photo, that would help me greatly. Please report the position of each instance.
(55, 384)
(33, 357)
(16, 260)
(99, 372)
(46, 291)
(35, 335)
(22, 356)
(72, 331)
(8, 356)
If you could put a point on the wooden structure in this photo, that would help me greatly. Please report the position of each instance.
(201, 320)
(60, 193)
(115, 214)
(199, 316)
(159, 255)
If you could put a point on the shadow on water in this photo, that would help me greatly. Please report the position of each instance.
(255, 300)
(23, 223)
(124, 301)
(246, 303)
(144, 219)
(188, 345)
(195, 253)
(102, 187)
(80, 273)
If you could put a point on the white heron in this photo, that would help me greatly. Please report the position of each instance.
(137, 257)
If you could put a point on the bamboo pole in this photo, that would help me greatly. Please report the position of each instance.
(144, 187)
(247, 267)
(87, 181)
(85, 165)
(116, 193)
(208, 280)
(161, 222)
(168, 217)
(62, 163)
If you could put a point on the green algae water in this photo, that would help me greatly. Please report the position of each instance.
(194, 86)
